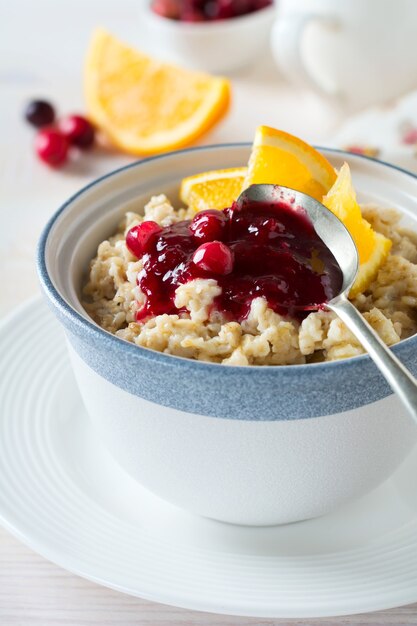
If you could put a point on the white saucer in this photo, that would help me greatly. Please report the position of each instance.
(63, 496)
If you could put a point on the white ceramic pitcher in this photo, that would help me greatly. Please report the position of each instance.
(361, 52)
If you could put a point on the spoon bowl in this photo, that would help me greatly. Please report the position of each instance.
(328, 227)
(337, 238)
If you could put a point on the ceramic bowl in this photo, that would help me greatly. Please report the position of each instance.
(248, 445)
(219, 46)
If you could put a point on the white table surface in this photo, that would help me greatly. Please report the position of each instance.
(41, 50)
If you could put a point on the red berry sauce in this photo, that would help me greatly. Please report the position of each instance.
(267, 250)
(139, 237)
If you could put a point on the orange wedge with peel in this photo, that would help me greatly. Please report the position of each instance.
(282, 159)
(373, 248)
(145, 106)
(212, 190)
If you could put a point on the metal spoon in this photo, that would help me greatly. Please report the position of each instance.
(339, 241)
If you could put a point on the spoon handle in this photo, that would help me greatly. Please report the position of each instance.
(399, 378)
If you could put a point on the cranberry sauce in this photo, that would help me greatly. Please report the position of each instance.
(257, 249)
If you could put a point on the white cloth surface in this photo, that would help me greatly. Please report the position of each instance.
(389, 131)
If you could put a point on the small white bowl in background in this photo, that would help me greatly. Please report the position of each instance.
(219, 46)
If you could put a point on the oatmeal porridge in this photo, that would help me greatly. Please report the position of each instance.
(188, 321)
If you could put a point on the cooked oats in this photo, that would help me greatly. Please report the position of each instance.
(112, 298)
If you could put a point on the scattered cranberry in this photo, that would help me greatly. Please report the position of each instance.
(52, 143)
(208, 225)
(231, 8)
(192, 15)
(39, 113)
(206, 10)
(78, 130)
(219, 9)
(51, 146)
(211, 10)
(214, 257)
(139, 237)
(168, 8)
(193, 4)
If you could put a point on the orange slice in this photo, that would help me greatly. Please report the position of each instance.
(146, 106)
(282, 159)
(373, 248)
(212, 190)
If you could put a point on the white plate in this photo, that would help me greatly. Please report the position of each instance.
(63, 496)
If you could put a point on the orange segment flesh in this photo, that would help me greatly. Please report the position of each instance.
(212, 190)
(373, 248)
(282, 159)
(146, 106)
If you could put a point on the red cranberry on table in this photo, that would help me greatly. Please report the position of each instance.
(39, 113)
(139, 237)
(208, 225)
(51, 147)
(78, 131)
(214, 257)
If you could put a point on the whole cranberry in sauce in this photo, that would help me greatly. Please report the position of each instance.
(139, 237)
(208, 226)
(214, 257)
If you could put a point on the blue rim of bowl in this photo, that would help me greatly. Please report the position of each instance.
(90, 327)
